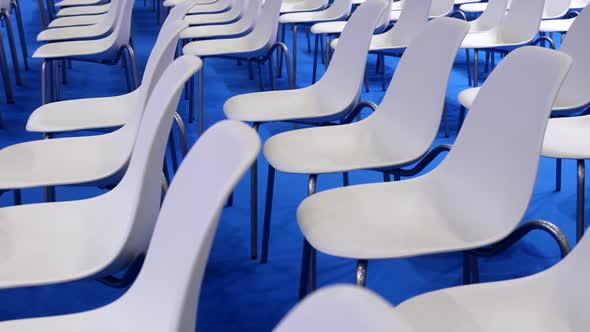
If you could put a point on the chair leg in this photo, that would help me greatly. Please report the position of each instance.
(558, 174)
(382, 63)
(172, 147)
(294, 51)
(580, 200)
(345, 179)
(315, 59)
(12, 44)
(470, 269)
(254, 205)
(133, 64)
(126, 72)
(270, 183)
(200, 102)
(21, 33)
(45, 69)
(361, 272)
(57, 81)
(308, 260)
(42, 14)
(271, 74)
(475, 67)
(468, 62)
(5, 73)
(250, 71)
(16, 194)
(386, 177)
(191, 100)
(182, 132)
(260, 77)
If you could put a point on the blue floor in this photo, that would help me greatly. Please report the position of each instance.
(239, 294)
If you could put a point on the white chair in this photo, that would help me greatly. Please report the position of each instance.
(98, 30)
(565, 137)
(111, 112)
(231, 30)
(333, 98)
(230, 16)
(517, 28)
(100, 236)
(219, 6)
(164, 297)
(334, 28)
(343, 308)
(338, 11)
(461, 205)
(72, 3)
(400, 132)
(412, 20)
(83, 159)
(107, 50)
(257, 46)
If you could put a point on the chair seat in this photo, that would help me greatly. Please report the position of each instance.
(388, 220)
(81, 160)
(238, 47)
(225, 17)
(310, 17)
(489, 39)
(83, 10)
(475, 7)
(59, 241)
(334, 149)
(82, 114)
(383, 42)
(578, 4)
(328, 27)
(562, 104)
(213, 31)
(343, 308)
(68, 21)
(71, 33)
(74, 49)
(300, 6)
(567, 138)
(517, 305)
(559, 25)
(70, 3)
(283, 105)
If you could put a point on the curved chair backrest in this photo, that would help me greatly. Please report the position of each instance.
(412, 106)
(341, 84)
(440, 8)
(521, 23)
(339, 8)
(575, 88)
(492, 172)
(179, 11)
(140, 188)
(170, 280)
(384, 20)
(555, 8)
(251, 15)
(111, 16)
(123, 25)
(412, 19)
(491, 17)
(265, 32)
(161, 55)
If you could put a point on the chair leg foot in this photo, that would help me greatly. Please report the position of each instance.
(361, 272)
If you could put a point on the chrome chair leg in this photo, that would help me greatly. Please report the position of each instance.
(558, 174)
(271, 75)
(42, 14)
(5, 73)
(12, 45)
(260, 77)
(580, 225)
(270, 182)
(182, 133)
(21, 33)
(361, 272)
(307, 281)
(132, 59)
(315, 59)
(294, 51)
(468, 63)
(475, 67)
(200, 101)
(254, 205)
(17, 197)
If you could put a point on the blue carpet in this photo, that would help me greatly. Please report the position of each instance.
(239, 294)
